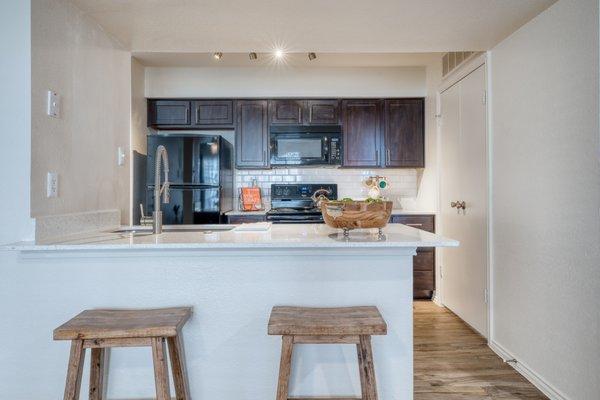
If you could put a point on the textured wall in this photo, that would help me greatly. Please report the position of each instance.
(545, 197)
(15, 162)
(228, 352)
(74, 57)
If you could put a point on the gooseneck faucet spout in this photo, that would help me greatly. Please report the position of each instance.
(161, 154)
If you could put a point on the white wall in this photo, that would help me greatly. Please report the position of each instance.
(286, 81)
(74, 57)
(546, 197)
(15, 130)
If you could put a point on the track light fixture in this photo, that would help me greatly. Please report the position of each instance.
(252, 56)
(312, 56)
(218, 55)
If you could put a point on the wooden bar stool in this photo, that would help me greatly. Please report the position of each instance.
(346, 325)
(102, 329)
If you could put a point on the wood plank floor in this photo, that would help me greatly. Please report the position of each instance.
(453, 362)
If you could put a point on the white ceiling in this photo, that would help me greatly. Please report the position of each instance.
(335, 26)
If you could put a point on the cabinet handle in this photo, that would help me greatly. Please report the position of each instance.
(377, 156)
(265, 155)
(387, 156)
(458, 205)
(414, 224)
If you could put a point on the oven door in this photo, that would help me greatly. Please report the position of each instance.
(299, 149)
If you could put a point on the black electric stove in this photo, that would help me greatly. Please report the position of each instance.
(293, 204)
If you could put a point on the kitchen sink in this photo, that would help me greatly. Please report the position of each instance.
(147, 230)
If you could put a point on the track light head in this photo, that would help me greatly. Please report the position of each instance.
(311, 56)
(252, 56)
(218, 55)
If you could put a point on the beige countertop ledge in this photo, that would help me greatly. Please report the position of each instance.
(306, 237)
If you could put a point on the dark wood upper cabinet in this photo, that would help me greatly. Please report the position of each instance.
(385, 133)
(323, 112)
(168, 113)
(251, 134)
(289, 112)
(362, 132)
(404, 133)
(213, 113)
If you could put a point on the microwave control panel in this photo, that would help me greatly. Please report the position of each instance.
(335, 151)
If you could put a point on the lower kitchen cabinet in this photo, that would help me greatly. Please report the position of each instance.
(424, 261)
(246, 219)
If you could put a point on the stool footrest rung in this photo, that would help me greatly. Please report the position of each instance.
(117, 342)
(325, 398)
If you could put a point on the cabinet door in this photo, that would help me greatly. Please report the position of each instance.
(404, 137)
(362, 132)
(286, 111)
(323, 112)
(213, 112)
(251, 134)
(169, 112)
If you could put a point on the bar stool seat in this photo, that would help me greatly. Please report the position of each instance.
(344, 325)
(326, 321)
(112, 324)
(100, 330)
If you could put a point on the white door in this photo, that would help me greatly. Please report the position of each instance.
(464, 179)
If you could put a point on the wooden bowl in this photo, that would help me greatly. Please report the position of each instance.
(356, 214)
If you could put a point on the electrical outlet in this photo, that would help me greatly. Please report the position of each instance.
(52, 185)
(53, 104)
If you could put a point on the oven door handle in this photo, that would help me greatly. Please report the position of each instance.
(293, 218)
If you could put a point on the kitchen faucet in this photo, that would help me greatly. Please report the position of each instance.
(161, 153)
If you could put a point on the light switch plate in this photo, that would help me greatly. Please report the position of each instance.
(53, 104)
(52, 185)
(120, 156)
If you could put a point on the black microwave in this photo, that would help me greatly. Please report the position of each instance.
(306, 145)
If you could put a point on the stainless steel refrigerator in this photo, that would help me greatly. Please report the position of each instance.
(200, 175)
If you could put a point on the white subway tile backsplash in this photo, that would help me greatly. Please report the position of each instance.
(402, 182)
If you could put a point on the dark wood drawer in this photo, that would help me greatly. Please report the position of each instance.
(245, 219)
(424, 260)
(424, 222)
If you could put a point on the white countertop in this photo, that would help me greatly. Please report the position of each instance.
(278, 236)
(394, 212)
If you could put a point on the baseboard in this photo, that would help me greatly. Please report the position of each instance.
(527, 373)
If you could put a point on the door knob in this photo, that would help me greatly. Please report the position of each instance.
(458, 205)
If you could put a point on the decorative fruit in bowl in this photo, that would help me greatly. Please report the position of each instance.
(350, 214)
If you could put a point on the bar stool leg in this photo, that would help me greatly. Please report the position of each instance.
(177, 356)
(367, 368)
(285, 366)
(161, 370)
(97, 362)
(75, 370)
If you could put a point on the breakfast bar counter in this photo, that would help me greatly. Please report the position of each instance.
(231, 280)
(211, 237)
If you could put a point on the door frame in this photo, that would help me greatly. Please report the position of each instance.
(478, 60)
